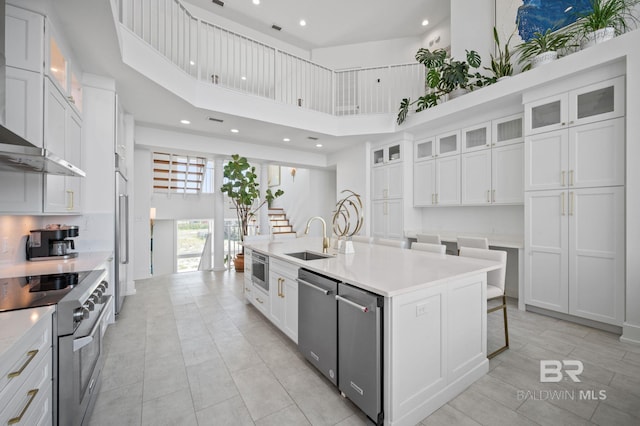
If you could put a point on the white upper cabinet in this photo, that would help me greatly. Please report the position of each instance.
(62, 69)
(476, 177)
(424, 149)
(507, 130)
(507, 174)
(24, 34)
(437, 182)
(448, 144)
(424, 183)
(583, 156)
(588, 104)
(387, 182)
(24, 104)
(387, 154)
(476, 138)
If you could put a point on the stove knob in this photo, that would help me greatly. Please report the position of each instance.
(97, 292)
(89, 305)
(94, 298)
(103, 286)
(81, 314)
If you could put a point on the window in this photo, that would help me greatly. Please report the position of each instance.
(182, 174)
(191, 238)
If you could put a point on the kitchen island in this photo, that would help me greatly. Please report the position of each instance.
(434, 320)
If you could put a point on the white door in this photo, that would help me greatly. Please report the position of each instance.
(379, 182)
(599, 101)
(55, 117)
(507, 174)
(476, 177)
(378, 225)
(596, 254)
(395, 228)
(276, 302)
(546, 115)
(546, 161)
(424, 174)
(394, 181)
(448, 181)
(73, 154)
(546, 250)
(596, 153)
(24, 108)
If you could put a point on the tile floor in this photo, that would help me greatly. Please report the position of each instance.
(187, 350)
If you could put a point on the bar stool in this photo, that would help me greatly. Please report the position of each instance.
(495, 286)
(391, 243)
(473, 242)
(433, 248)
(429, 238)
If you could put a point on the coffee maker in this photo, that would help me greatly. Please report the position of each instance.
(50, 243)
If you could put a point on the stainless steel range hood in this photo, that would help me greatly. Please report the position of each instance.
(16, 153)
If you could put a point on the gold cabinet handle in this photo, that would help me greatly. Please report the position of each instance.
(30, 356)
(32, 395)
(70, 99)
(562, 176)
(247, 289)
(433, 198)
(562, 203)
(384, 209)
(571, 203)
(70, 205)
(281, 287)
(488, 199)
(385, 193)
(570, 177)
(436, 198)
(493, 196)
(259, 300)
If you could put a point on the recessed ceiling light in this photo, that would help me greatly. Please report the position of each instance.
(286, 139)
(303, 22)
(185, 121)
(425, 23)
(234, 130)
(319, 145)
(243, 78)
(256, 1)
(192, 63)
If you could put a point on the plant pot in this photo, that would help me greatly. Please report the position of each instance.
(238, 262)
(598, 36)
(505, 77)
(457, 93)
(543, 58)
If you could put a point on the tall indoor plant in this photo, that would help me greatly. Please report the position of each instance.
(605, 20)
(501, 65)
(241, 186)
(543, 47)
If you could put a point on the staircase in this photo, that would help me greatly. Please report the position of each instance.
(280, 225)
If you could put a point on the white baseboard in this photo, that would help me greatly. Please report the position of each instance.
(630, 333)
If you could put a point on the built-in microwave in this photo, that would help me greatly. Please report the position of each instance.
(260, 270)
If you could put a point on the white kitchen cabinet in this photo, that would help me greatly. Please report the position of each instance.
(387, 182)
(63, 137)
(507, 130)
(448, 144)
(507, 174)
(437, 182)
(476, 177)
(260, 299)
(25, 31)
(387, 219)
(26, 367)
(596, 102)
(476, 137)
(283, 293)
(387, 154)
(22, 192)
(424, 149)
(574, 260)
(581, 156)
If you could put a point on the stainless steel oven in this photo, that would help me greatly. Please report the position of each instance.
(260, 270)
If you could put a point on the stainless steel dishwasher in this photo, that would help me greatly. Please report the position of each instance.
(360, 349)
(317, 322)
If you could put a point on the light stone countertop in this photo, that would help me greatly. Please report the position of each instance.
(84, 262)
(387, 271)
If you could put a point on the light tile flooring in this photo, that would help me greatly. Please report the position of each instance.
(187, 350)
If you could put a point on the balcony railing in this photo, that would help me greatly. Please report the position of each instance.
(211, 53)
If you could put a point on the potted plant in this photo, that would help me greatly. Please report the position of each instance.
(543, 47)
(501, 65)
(605, 20)
(444, 76)
(241, 186)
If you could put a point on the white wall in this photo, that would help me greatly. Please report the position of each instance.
(351, 173)
(142, 204)
(472, 27)
(311, 193)
(164, 253)
(370, 54)
(438, 37)
(13, 237)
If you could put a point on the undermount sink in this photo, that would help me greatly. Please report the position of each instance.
(308, 255)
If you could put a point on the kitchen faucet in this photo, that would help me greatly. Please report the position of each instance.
(325, 240)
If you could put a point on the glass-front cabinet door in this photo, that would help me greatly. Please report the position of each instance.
(546, 114)
(477, 137)
(448, 144)
(424, 149)
(596, 102)
(507, 130)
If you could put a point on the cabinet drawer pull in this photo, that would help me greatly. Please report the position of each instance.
(70, 99)
(259, 300)
(562, 203)
(70, 205)
(493, 196)
(571, 203)
(436, 198)
(32, 395)
(315, 287)
(562, 177)
(488, 199)
(30, 355)
(570, 177)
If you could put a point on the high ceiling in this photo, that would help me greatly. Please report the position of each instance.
(333, 22)
(90, 27)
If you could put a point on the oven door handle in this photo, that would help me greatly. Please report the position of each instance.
(81, 342)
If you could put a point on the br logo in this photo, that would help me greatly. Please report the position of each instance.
(551, 370)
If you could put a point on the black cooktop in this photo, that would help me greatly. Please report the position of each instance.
(37, 290)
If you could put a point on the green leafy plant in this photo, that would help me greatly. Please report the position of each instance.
(501, 65)
(617, 14)
(443, 75)
(549, 41)
(241, 186)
